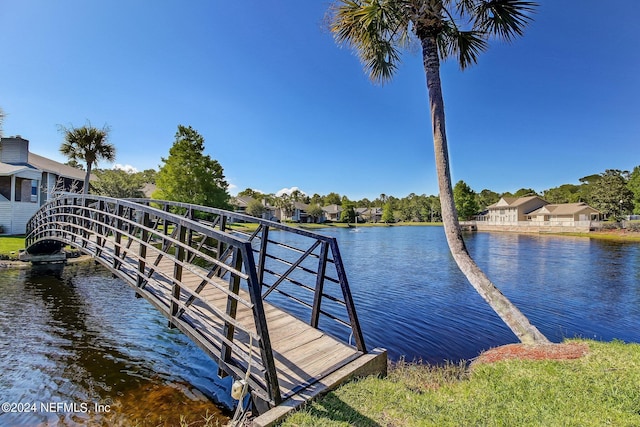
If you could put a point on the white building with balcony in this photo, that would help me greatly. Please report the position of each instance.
(27, 181)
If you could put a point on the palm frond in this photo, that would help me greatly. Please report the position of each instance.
(376, 29)
(87, 143)
(465, 46)
(503, 18)
(462, 7)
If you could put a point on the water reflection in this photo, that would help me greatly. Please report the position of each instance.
(79, 337)
(412, 299)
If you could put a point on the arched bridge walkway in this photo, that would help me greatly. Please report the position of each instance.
(223, 288)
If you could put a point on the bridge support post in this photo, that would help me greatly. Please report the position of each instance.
(144, 236)
(317, 298)
(264, 241)
(232, 307)
(118, 237)
(177, 274)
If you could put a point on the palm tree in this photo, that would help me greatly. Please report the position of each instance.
(378, 30)
(88, 144)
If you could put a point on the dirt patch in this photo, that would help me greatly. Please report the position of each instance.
(562, 351)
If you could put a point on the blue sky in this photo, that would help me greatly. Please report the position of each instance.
(280, 105)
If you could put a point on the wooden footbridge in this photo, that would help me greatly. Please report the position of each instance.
(274, 302)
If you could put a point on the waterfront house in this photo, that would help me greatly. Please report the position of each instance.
(298, 214)
(369, 214)
(27, 181)
(534, 214)
(332, 212)
(240, 204)
(565, 213)
(511, 210)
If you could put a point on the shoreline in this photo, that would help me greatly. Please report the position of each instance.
(23, 265)
(620, 236)
(611, 235)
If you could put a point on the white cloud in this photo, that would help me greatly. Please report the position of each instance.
(289, 191)
(126, 168)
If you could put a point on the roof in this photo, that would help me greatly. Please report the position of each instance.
(332, 208)
(14, 168)
(564, 209)
(58, 168)
(148, 189)
(368, 211)
(301, 206)
(513, 202)
(241, 201)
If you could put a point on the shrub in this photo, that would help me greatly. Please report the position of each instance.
(611, 225)
(633, 226)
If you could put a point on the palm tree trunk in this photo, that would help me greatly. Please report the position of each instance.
(509, 313)
(87, 177)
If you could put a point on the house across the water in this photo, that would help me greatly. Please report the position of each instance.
(533, 213)
(27, 181)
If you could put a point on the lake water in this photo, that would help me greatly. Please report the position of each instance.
(85, 351)
(81, 336)
(413, 300)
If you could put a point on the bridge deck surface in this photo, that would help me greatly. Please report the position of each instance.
(303, 355)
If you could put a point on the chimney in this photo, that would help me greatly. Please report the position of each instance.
(14, 149)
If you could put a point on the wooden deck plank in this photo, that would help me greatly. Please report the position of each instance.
(302, 354)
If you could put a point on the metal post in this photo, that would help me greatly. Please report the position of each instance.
(317, 298)
(144, 236)
(177, 274)
(232, 307)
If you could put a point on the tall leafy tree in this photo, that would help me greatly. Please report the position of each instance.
(88, 144)
(566, 193)
(316, 199)
(315, 211)
(250, 192)
(486, 197)
(525, 192)
(387, 213)
(378, 30)
(148, 176)
(332, 199)
(190, 176)
(256, 208)
(286, 205)
(348, 213)
(610, 194)
(465, 200)
(634, 186)
(119, 183)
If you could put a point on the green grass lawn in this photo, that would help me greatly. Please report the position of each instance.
(601, 388)
(10, 245)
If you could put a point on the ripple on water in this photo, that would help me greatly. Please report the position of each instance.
(82, 338)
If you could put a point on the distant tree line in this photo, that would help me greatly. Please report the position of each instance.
(187, 175)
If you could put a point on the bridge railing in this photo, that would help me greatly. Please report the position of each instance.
(136, 241)
(272, 261)
(292, 265)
